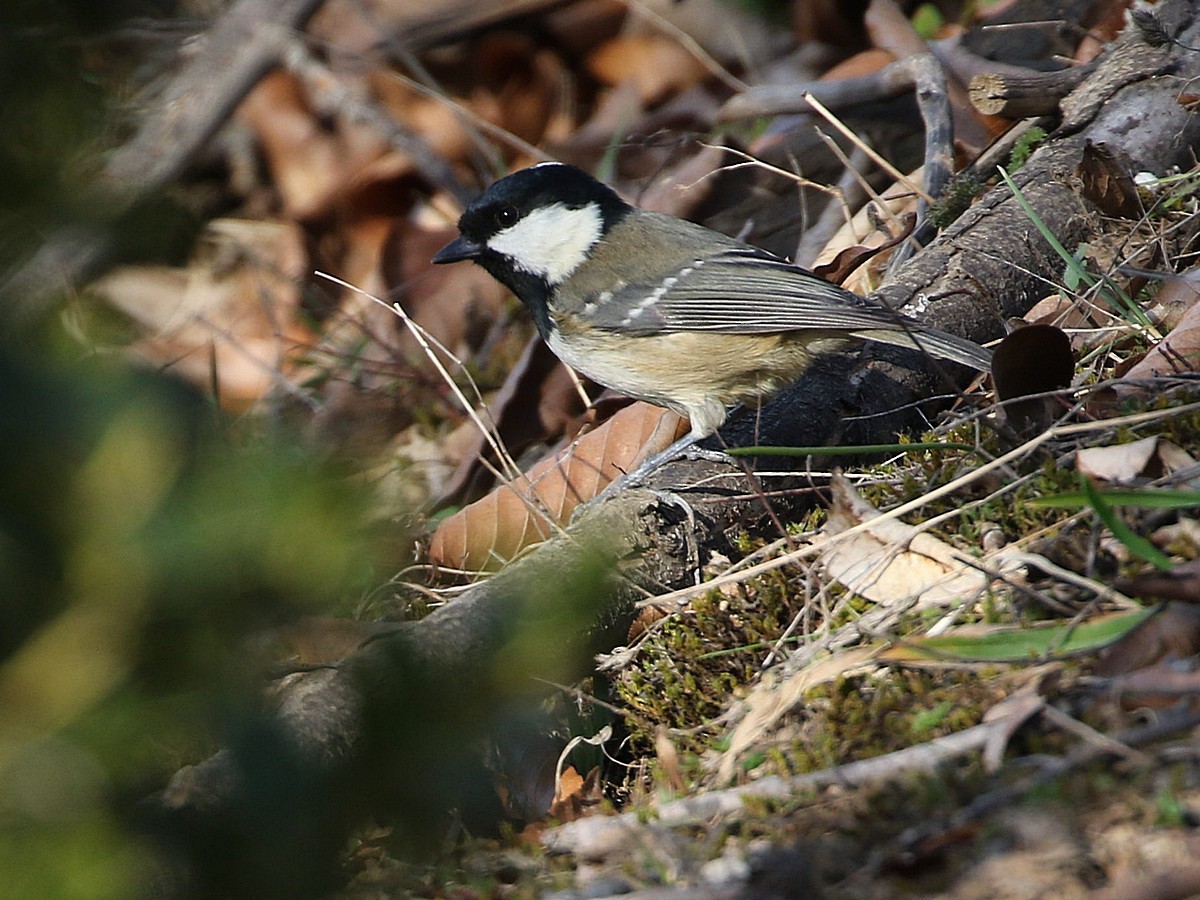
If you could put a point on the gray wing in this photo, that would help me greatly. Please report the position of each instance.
(746, 291)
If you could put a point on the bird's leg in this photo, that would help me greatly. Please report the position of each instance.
(684, 448)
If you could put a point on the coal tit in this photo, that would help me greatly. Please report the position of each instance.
(662, 309)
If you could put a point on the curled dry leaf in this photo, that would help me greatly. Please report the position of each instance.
(456, 305)
(1179, 352)
(847, 260)
(435, 119)
(862, 231)
(528, 509)
(519, 421)
(575, 797)
(1033, 360)
(1106, 175)
(1173, 634)
(1086, 323)
(1176, 297)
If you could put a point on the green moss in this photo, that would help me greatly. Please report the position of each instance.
(866, 716)
(688, 670)
(955, 199)
(1024, 148)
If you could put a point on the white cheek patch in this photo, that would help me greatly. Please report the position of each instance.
(551, 241)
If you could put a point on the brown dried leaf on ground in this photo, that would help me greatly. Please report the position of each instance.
(890, 561)
(657, 66)
(538, 402)
(1107, 177)
(229, 318)
(1178, 352)
(1176, 297)
(575, 796)
(527, 510)
(456, 305)
(310, 163)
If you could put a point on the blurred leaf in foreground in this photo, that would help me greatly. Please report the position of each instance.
(140, 549)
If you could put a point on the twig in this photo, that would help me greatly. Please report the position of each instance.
(857, 141)
(1026, 95)
(580, 836)
(423, 339)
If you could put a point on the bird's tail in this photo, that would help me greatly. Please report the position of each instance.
(936, 343)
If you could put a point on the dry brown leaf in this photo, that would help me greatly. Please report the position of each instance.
(657, 65)
(1177, 296)
(843, 265)
(457, 305)
(1106, 174)
(310, 165)
(229, 316)
(436, 120)
(1177, 353)
(531, 82)
(494, 529)
(1032, 360)
(892, 561)
(862, 230)
(1120, 464)
(519, 421)
(668, 759)
(575, 797)
(1082, 321)
(1172, 634)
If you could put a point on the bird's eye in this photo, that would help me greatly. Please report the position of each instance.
(506, 216)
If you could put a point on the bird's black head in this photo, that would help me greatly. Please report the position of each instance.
(535, 227)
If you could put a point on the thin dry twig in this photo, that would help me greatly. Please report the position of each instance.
(424, 339)
(850, 135)
(582, 836)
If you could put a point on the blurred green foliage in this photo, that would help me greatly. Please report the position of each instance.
(67, 93)
(140, 549)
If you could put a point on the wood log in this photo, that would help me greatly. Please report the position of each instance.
(1025, 95)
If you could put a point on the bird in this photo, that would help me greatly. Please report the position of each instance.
(662, 309)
